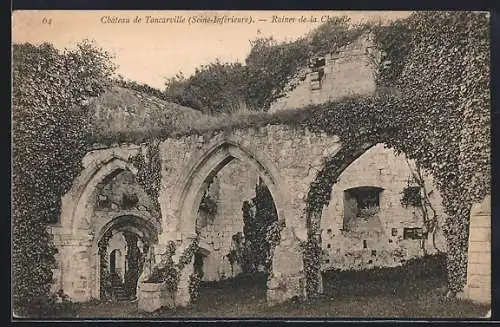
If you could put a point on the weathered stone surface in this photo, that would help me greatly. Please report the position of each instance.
(152, 296)
(287, 159)
(349, 73)
(478, 287)
(382, 168)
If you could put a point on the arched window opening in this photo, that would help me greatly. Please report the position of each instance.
(123, 250)
(236, 214)
(360, 203)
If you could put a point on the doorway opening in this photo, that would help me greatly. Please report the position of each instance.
(122, 253)
(238, 224)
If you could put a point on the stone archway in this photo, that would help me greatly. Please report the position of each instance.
(382, 234)
(78, 231)
(317, 198)
(192, 189)
(145, 228)
(212, 162)
(77, 206)
(321, 188)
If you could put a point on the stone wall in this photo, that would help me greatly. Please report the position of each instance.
(110, 195)
(348, 72)
(73, 272)
(83, 220)
(119, 243)
(478, 287)
(235, 184)
(382, 242)
(286, 158)
(385, 245)
(290, 157)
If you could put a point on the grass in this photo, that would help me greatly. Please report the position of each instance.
(127, 116)
(413, 291)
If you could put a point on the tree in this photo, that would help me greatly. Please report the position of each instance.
(214, 88)
(269, 67)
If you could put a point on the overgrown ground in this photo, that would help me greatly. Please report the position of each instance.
(413, 291)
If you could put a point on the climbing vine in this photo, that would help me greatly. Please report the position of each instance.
(311, 253)
(261, 233)
(168, 273)
(149, 173)
(105, 277)
(392, 50)
(49, 132)
(419, 198)
(440, 66)
(194, 286)
(447, 52)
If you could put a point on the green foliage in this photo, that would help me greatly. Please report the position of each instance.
(448, 51)
(133, 257)
(49, 127)
(194, 286)
(261, 232)
(439, 61)
(208, 205)
(141, 87)
(213, 89)
(369, 212)
(311, 254)
(393, 46)
(270, 66)
(228, 87)
(149, 173)
(411, 196)
(449, 66)
(105, 286)
(331, 36)
(168, 273)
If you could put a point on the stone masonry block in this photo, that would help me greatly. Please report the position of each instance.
(480, 234)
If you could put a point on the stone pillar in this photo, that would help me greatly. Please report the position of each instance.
(478, 288)
(75, 265)
(182, 297)
(287, 279)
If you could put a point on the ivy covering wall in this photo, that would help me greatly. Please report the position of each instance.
(447, 51)
(437, 61)
(49, 121)
(148, 175)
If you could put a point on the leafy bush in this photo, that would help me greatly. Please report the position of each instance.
(194, 286)
(269, 67)
(261, 232)
(168, 273)
(213, 89)
(368, 212)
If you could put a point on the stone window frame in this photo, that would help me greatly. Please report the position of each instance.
(414, 233)
(355, 193)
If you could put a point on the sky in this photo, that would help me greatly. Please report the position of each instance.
(149, 52)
